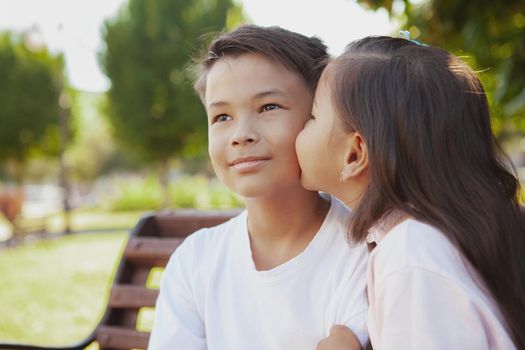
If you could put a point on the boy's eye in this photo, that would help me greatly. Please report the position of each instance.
(221, 118)
(269, 107)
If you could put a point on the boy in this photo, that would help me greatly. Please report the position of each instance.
(281, 274)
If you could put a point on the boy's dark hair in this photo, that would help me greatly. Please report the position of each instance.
(302, 55)
(425, 119)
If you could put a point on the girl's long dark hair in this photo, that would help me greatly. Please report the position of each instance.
(424, 116)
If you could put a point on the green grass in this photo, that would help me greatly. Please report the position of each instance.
(55, 291)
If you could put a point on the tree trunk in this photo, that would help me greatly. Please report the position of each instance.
(164, 168)
(64, 179)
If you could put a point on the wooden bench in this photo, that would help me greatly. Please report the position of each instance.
(28, 226)
(150, 245)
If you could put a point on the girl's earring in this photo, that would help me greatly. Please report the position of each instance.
(348, 172)
(341, 177)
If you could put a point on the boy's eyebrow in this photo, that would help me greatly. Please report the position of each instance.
(270, 92)
(259, 95)
(218, 104)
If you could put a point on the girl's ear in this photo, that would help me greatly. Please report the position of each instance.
(356, 158)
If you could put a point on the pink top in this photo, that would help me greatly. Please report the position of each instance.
(424, 295)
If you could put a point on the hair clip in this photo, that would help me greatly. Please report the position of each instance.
(405, 34)
(212, 55)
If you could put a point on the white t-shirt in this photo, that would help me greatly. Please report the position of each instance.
(424, 294)
(212, 297)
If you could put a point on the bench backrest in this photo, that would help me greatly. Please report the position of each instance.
(150, 245)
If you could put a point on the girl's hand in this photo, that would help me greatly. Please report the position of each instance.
(340, 338)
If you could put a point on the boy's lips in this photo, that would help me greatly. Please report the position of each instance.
(248, 163)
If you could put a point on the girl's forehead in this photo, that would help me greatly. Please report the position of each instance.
(329, 71)
(324, 87)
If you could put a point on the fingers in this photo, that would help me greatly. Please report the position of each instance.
(340, 330)
(340, 338)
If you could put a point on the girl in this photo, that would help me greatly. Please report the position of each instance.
(401, 133)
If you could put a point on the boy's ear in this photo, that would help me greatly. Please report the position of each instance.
(356, 157)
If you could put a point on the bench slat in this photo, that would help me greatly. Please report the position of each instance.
(150, 251)
(133, 297)
(111, 337)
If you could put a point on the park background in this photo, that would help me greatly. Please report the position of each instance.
(99, 125)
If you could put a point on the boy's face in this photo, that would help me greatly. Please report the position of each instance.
(256, 108)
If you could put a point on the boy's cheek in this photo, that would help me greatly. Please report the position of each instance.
(215, 147)
(217, 160)
(220, 171)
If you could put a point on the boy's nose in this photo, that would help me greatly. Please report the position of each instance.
(243, 135)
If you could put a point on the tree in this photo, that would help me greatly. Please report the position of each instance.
(492, 33)
(151, 106)
(32, 121)
(94, 147)
(31, 83)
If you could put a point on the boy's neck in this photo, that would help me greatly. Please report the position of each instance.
(281, 228)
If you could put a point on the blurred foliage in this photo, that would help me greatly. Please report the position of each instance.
(202, 193)
(31, 81)
(186, 192)
(492, 33)
(133, 194)
(152, 107)
(93, 149)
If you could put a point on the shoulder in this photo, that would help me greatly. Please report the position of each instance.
(206, 243)
(416, 278)
(190, 266)
(416, 245)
